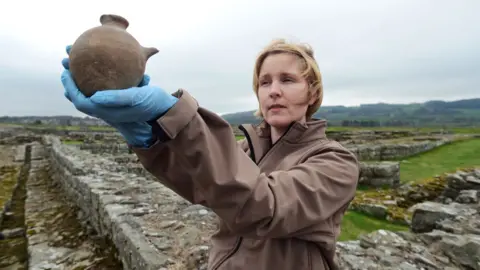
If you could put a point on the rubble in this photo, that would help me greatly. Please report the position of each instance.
(443, 235)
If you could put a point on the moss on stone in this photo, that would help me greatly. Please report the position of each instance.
(30, 223)
(8, 180)
(426, 190)
(405, 197)
(14, 251)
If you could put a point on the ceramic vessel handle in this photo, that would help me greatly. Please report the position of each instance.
(111, 19)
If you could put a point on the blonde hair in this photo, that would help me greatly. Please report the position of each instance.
(311, 70)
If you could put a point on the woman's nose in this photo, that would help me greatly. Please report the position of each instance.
(275, 89)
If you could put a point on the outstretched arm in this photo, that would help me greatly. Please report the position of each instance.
(199, 158)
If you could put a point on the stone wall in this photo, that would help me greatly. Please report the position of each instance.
(444, 234)
(394, 151)
(110, 148)
(360, 143)
(374, 174)
(369, 135)
(151, 227)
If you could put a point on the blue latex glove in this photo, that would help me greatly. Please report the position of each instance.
(127, 110)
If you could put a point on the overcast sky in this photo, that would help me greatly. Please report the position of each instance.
(369, 51)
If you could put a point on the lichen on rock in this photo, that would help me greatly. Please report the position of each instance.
(443, 235)
(397, 201)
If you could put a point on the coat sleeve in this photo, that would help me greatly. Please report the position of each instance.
(199, 158)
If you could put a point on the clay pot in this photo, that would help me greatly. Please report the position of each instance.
(107, 57)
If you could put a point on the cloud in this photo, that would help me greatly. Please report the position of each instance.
(369, 51)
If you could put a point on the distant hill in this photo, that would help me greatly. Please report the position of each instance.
(459, 113)
(435, 113)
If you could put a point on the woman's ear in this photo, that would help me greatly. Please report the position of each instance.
(313, 97)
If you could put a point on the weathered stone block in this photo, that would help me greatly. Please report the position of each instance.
(380, 174)
(427, 215)
(468, 196)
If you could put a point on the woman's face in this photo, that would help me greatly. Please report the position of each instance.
(283, 92)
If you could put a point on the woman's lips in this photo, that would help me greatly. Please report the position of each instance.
(276, 108)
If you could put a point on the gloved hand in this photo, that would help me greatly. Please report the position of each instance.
(127, 110)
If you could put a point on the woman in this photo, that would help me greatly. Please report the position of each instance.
(280, 193)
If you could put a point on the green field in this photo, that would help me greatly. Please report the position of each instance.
(457, 130)
(447, 158)
(355, 224)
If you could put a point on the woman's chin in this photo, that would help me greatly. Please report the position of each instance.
(278, 121)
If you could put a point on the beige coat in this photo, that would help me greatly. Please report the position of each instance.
(280, 206)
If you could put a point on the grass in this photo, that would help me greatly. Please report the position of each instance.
(447, 158)
(8, 179)
(457, 130)
(354, 224)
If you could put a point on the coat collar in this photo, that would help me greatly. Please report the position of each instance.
(259, 138)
